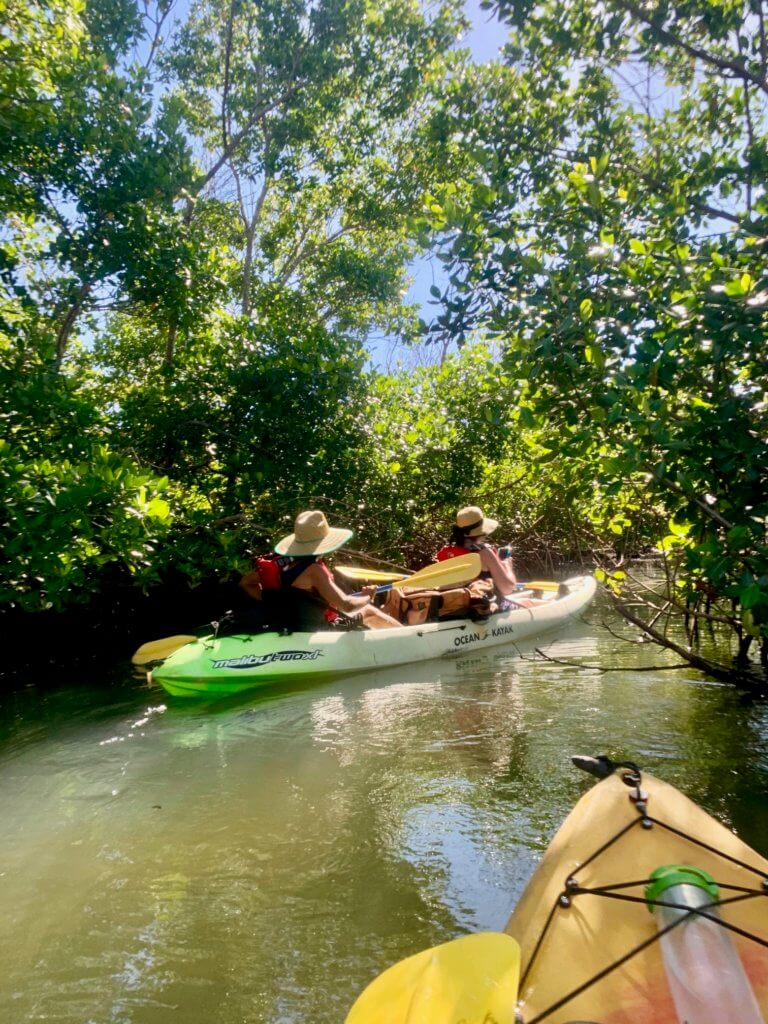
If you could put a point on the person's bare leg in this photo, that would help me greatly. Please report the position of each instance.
(375, 618)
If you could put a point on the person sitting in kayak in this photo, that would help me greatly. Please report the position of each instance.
(470, 533)
(306, 591)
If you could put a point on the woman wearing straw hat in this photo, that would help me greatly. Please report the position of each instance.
(470, 533)
(317, 600)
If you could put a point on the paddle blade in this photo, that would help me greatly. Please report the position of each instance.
(472, 980)
(541, 585)
(354, 572)
(157, 650)
(449, 573)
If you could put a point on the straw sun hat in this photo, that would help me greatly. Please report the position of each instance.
(312, 536)
(473, 523)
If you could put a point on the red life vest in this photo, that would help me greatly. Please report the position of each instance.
(451, 551)
(270, 569)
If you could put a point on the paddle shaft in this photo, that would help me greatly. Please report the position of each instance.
(379, 590)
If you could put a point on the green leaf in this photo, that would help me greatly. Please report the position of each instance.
(751, 596)
(159, 509)
(679, 529)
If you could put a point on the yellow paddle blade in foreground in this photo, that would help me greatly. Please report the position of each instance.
(355, 572)
(157, 650)
(449, 573)
(472, 980)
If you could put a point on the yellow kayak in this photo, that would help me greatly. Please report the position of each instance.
(608, 841)
(643, 910)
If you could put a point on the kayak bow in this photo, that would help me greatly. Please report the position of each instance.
(590, 952)
(588, 941)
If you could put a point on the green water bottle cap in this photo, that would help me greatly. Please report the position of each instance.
(665, 877)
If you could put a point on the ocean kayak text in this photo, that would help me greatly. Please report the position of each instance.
(470, 638)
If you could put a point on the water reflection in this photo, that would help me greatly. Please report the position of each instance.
(260, 859)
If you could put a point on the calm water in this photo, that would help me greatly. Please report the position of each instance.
(260, 862)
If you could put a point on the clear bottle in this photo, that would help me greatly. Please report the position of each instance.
(706, 976)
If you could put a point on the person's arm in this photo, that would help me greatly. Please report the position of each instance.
(251, 584)
(334, 596)
(502, 573)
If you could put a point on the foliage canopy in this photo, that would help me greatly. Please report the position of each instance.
(208, 214)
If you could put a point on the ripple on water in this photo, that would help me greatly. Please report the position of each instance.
(261, 860)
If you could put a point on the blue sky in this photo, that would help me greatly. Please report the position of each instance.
(486, 35)
(484, 39)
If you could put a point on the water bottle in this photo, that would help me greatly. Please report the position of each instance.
(706, 977)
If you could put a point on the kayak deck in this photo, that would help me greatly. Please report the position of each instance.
(231, 664)
(582, 940)
(572, 935)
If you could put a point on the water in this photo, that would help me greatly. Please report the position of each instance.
(261, 861)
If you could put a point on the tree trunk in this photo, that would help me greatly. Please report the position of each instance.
(69, 322)
(250, 234)
(742, 656)
(170, 346)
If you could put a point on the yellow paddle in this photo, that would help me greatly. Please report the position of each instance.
(355, 572)
(472, 980)
(449, 573)
(158, 650)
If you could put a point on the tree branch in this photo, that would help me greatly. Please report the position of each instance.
(609, 668)
(227, 58)
(715, 669)
(374, 561)
(294, 259)
(750, 141)
(158, 27)
(666, 35)
(670, 603)
(707, 509)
